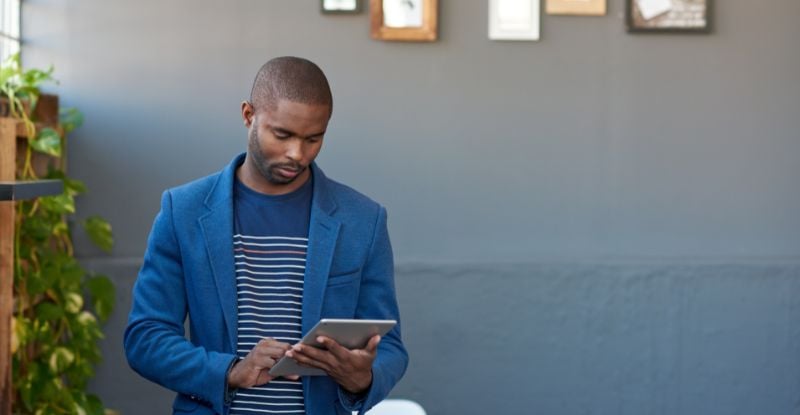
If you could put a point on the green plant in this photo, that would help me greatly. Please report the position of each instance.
(58, 305)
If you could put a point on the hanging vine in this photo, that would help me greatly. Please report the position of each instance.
(58, 305)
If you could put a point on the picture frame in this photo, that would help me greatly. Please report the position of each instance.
(404, 20)
(577, 7)
(668, 16)
(340, 6)
(514, 20)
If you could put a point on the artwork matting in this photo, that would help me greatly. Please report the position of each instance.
(340, 6)
(668, 16)
(514, 19)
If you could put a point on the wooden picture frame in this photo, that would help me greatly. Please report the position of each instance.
(404, 20)
(340, 6)
(577, 7)
(668, 16)
(514, 19)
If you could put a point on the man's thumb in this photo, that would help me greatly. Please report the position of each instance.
(373, 343)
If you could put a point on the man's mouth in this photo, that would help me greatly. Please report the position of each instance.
(289, 172)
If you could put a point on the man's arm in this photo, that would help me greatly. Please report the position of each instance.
(154, 338)
(385, 357)
(377, 300)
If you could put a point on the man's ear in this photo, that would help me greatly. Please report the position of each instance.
(248, 113)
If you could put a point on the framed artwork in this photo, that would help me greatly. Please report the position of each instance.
(689, 16)
(403, 20)
(576, 7)
(341, 6)
(514, 19)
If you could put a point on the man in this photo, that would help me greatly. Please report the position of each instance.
(256, 255)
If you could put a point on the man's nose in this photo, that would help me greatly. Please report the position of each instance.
(294, 150)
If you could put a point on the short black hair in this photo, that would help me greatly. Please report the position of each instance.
(292, 78)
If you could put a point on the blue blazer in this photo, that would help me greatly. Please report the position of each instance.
(188, 269)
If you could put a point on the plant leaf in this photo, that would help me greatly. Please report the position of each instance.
(70, 119)
(36, 283)
(100, 232)
(48, 142)
(74, 187)
(34, 78)
(26, 392)
(60, 359)
(71, 273)
(73, 303)
(17, 334)
(61, 204)
(103, 296)
(49, 311)
(94, 405)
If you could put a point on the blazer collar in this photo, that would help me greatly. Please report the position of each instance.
(222, 189)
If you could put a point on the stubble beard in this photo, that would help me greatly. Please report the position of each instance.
(264, 167)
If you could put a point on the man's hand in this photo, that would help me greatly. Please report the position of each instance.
(253, 370)
(351, 369)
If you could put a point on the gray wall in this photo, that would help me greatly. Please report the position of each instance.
(606, 223)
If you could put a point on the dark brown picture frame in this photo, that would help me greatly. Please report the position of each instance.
(633, 20)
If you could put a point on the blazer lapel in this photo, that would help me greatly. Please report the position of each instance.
(217, 226)
(323, 232)
(218, 234)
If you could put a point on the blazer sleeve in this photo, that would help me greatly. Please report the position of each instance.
(377, 299)
(154, 341)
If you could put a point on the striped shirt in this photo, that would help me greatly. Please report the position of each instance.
(270, 245)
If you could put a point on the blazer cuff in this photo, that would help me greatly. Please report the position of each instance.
(220, 363)
(230, 393)
(352, 402)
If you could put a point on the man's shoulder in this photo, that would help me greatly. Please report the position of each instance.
(194, 194)
(197, 188)
(349, 198)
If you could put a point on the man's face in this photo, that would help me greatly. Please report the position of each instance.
(283, 141)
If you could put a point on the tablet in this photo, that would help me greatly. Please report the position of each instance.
(352, 334)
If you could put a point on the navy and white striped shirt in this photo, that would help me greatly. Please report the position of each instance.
(270, 245)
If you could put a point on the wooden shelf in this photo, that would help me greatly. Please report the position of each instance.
(22, 190)
(13, 136)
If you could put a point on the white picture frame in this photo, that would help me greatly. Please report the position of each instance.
(514, 20)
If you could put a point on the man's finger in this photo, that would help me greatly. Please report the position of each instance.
(314, 353)
(260, 364)
(372, 346)
(337, 349)
(271, 347)
(309, 361)
(263, 378)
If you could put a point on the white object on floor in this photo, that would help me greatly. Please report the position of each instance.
(396, 407)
